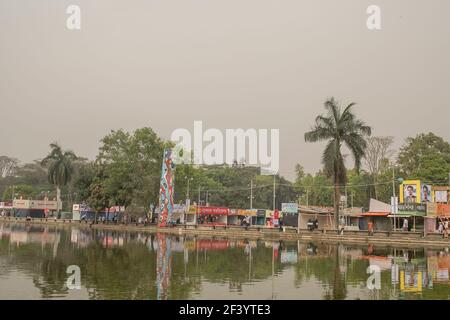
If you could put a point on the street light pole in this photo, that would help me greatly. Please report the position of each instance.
(393, 194)
(187, 191)
(12, 198)
(274, 192)
(188, 202)
(251, 193)
(351, 195)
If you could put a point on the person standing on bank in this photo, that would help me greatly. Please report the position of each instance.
(370, 227)
(341, 225)
(405, 224)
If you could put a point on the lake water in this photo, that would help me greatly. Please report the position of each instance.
(35, 260)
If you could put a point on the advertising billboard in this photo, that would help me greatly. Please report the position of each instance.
(213, 210)
(425, 193)
(410, 191)
(441, 196)
(291, 208)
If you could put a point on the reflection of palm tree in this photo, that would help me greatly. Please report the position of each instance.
(339, 285)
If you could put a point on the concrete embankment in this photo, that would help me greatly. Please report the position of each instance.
(254, 232)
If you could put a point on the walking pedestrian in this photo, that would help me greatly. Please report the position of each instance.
(370, 228)
(441, 227)
(405, 224)
(341, 225)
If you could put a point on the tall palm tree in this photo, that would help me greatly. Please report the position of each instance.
(60, 168)
(339, 127)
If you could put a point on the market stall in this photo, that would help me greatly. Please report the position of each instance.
(212, 215)
(238, 217)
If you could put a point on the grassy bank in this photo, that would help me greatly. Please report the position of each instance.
(254, 232)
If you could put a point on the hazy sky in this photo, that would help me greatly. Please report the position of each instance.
(230, 63)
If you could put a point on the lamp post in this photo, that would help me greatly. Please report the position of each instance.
(188, 202)
(274, 192)
(394, 203)
(188, 181)
(46, 206)
(198, 204)
(251, 193)
(12, 199)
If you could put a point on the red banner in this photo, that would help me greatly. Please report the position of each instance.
(443, 209)
(213, 210)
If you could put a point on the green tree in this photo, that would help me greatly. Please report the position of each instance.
(132, 164)
(377, 152)
(360, 188)
(425, 157)
(60, 168)
(31, 174)
(98, 198)
(22, 190)
(339, 127)
(8, 166)
(83, 180)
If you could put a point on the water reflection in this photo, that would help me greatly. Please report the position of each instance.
(127, 265)
(163, 265)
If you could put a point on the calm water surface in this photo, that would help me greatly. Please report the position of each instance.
(132, 265)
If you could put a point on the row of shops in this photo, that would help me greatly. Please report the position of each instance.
(207, 215)
(420, 217)
(30, 207)
(84, 212)
(419, 207)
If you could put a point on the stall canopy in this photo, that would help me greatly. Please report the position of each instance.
(213, 210)
(407, 214)
(246, 212)
(375, 214)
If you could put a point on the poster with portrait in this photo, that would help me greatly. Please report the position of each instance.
(441, 196)
(425, 195)
(410, 193)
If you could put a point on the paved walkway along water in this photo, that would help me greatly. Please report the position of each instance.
(255, 232)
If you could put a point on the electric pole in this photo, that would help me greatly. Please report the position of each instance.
(274, 192)
(351, 195)
(251, 193)
(394, 203)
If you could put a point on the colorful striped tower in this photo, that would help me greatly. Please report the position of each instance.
(166, 190)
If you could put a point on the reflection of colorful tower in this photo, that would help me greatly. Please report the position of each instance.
(166, 190)
(163, 265)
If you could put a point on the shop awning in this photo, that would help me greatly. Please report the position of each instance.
(375, 214)
(246, 212)
(213, 210)
(405, 214)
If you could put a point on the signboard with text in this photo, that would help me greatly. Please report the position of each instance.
(212, 210)
(289, 208)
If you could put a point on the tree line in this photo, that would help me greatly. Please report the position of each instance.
(127, 170)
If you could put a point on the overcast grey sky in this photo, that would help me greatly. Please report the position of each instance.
(231, 63)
